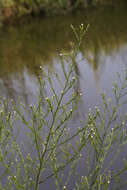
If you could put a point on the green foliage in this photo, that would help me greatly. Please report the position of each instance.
(7, 3)
(18, 8)
(48, 147)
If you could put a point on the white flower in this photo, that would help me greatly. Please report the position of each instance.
(47, 98)
(9, 177)
(73, 78)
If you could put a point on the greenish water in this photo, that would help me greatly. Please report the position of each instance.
(39, 41)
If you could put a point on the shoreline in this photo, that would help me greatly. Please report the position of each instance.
(15, 11)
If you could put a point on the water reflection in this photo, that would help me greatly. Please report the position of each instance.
(27, 46)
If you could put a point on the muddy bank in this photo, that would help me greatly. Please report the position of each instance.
(12, 10)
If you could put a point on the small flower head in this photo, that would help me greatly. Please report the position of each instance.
(40, 67)
(14, 177)
(14, 112)
(47, 98)
(31, 106)
(97, 109)
(9, 177)
(73, 78)
(123, 122)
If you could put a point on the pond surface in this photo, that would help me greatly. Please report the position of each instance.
(39, 41)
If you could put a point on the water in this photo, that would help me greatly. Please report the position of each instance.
(25, 47)
(39, 41)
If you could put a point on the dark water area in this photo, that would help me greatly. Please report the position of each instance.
(39, 41)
